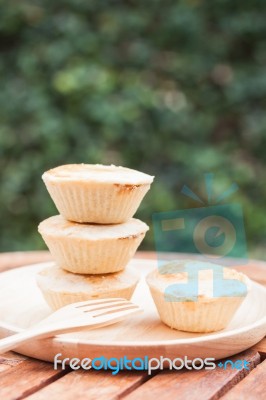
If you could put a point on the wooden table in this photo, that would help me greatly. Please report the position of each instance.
(26, 378)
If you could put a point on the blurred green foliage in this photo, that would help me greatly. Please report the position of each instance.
(172, 88)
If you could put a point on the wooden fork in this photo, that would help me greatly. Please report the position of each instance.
(73, 317)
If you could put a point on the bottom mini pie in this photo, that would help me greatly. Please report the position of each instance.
(60, 287)
(196, 296)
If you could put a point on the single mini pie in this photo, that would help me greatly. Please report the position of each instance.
(192, 301)
(96, 193)
(91, 248)
(60, 287)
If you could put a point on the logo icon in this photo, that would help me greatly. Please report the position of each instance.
(215, 232)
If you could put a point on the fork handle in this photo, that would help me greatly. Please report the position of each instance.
(13, 341)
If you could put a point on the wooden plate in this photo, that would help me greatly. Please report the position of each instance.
(22, 305)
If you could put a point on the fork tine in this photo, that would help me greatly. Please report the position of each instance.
(103, 306)
(108, 319)
(113, 309)
(96, 302)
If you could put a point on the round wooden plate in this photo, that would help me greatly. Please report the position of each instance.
(22, 305)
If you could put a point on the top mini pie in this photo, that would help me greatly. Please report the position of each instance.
(96, 193)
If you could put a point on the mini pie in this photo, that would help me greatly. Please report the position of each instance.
(179, 309)
(96, 193)
(60, 287)
(91, 248)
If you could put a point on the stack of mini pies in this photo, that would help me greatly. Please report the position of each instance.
(94, 237)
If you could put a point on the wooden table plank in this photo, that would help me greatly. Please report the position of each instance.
(261, 349)
(26, 377)
(10, 360)
(93, 385)
(253, 387)
(195, 384)
(20, 258)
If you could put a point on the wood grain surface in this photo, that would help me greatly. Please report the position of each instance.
(206, 384)
(97, 386)
(253, 387)
(25, 378)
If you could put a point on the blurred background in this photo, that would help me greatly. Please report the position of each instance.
(172, 88)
